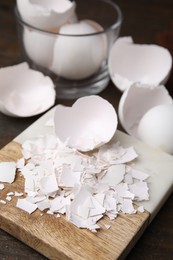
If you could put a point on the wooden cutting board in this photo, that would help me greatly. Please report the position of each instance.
(56, 238)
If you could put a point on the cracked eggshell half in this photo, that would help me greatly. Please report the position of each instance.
(136, 101)
(46, 14)
(79, 50)
(25, 92)
(131, 63)
(88, 124)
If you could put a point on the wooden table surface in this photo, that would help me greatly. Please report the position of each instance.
(147, 21)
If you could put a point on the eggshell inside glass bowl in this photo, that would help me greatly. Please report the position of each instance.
(136, 101)
(156, 127)
(45, 14)
(88, 124)
(25, 92)
(38, 46)
(130, 63)
(77, 57)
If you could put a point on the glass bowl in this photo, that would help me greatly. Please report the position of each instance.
(76, 61)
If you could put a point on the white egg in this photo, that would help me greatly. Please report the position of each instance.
(131, 63)
(39, 46)
(46, 14)
(79, 56)
(156, 128)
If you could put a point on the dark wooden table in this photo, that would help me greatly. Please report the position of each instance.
(147, 21)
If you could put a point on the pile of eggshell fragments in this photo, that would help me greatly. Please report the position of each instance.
(81, 171)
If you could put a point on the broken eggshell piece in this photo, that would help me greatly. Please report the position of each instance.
(88, 124)
(7, 172)
(26, 92)
(136, 101)
(130, 63)
(45, 14)
(79, 50)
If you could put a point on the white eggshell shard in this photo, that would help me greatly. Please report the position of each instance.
(25, 92)
(79, 51)
(88, 124)
(136, 101)
(7, 172)
(130, 63)
(46, 14)
(156, 128)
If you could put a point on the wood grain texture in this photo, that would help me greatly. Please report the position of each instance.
(56, 238)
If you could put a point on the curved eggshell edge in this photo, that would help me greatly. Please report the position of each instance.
(88, 124)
